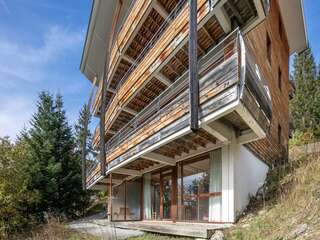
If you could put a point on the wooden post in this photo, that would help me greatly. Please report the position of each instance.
(193, 66)
(174, 195)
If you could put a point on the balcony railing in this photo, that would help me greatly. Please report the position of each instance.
(228, 74)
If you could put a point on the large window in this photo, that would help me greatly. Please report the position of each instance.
(194, 191)
(118, 203)
(199, 183)
(126, 201)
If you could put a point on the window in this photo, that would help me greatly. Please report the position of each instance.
(279, 134)
(194, 190)
(268, 48)
(126, 201)
(279, 79)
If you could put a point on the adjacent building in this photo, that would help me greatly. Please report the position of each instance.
(231, 75)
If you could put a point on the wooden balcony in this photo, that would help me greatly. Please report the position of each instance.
(146, 19)
(232, 93)
(167, 59)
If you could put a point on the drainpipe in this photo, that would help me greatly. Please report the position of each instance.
(193, 67)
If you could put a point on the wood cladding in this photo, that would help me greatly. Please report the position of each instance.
(269, 149)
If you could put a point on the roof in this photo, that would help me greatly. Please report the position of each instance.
(99, 28)
(292, 13)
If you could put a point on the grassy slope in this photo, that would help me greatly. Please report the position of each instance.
(294, 205)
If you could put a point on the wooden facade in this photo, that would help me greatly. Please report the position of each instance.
(271, 149)
(163, 67)
(195, 107)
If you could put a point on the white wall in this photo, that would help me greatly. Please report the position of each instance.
(249, 176)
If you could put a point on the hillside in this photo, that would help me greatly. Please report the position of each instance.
(291, 209)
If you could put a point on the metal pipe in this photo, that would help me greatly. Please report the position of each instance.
(193, 66)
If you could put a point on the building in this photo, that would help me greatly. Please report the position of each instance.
(158, 164)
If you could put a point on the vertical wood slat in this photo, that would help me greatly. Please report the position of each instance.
(193, 66)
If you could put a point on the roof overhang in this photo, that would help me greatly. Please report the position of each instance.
(97, 40)
(294, 22)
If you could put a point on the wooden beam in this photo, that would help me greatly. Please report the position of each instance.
(193, 66)
(160, 9)
(200, 150)
(166, 81)
(222, 18)
(154, 167)
(111, 132)
(246, 137)
(160, 158)
(109, 89)
(129, 172)
(219, 131)
(129, 110)
(128, 59)
(250, 121)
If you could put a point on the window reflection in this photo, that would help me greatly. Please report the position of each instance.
(194, 190)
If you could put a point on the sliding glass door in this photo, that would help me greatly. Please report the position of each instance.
(126, 201)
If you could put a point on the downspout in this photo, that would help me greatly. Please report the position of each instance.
(104, 87)
(193, 67)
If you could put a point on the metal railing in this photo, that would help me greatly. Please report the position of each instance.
(172, 95)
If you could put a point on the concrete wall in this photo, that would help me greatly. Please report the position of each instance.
(249, 176)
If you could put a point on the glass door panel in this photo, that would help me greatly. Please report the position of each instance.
(167, 194)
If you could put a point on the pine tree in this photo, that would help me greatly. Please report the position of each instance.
(54, 163)
(303, 107)
(79, 130)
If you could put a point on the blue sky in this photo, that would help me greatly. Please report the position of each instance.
(41, 44)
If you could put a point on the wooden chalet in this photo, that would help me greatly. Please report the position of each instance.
(193, 98)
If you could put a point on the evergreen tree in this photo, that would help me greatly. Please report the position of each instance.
(304, 107)
(53, 161)
(79, 130)
(15, 198)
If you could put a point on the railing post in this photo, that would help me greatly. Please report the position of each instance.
(193, 66)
